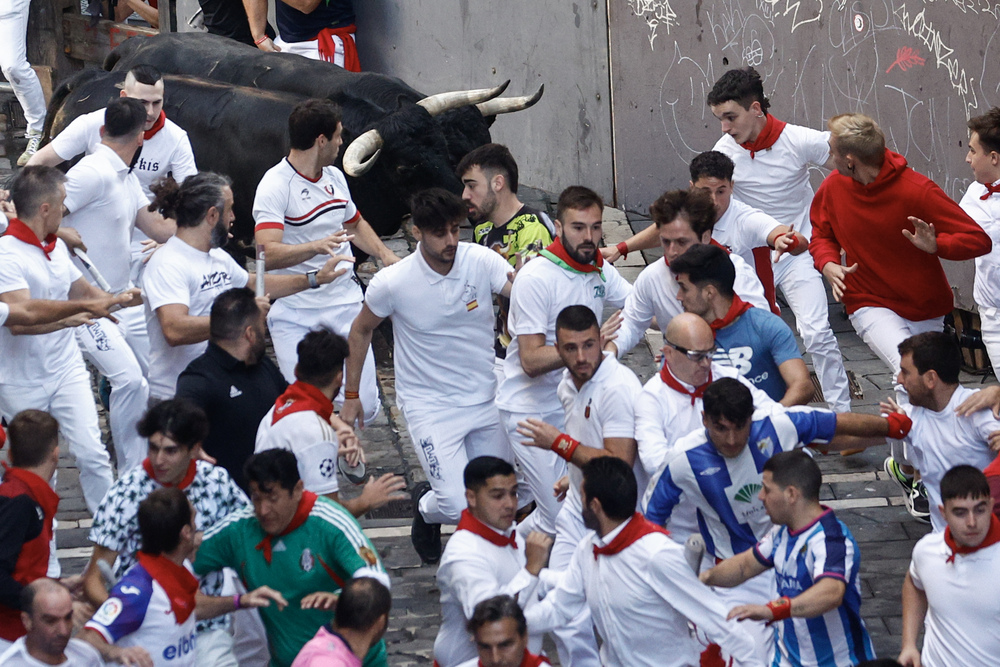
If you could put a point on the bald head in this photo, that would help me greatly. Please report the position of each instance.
(49, 590)
(688, 344)
(690, 331)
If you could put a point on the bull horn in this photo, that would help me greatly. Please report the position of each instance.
(362, 153)
(509, 104)
(438, 104)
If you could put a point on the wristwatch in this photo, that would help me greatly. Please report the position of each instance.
(313, 282)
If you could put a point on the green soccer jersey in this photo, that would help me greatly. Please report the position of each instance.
(526, 233)
(325, 550)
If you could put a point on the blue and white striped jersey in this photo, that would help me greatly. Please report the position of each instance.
(824, 548)
(731, 516)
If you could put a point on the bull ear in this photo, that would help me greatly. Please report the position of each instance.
(442, 102)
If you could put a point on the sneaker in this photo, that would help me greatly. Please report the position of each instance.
(426, 537)
(917, 503)
(356, 475)
(34, 143)
(897, 475)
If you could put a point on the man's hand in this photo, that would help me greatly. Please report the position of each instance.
(74, 584)
(750, 612)
(330, 272)
(320, 600)
(6, 205)
(381, 491)
(82, 612)
(923, 236)
(132, 297)
(836, 274)
(347, 440)
(789, 243)
(984, 399)
(561, 488)
(542, 435)
(199, 454)
(909, 657)
(268, 45)
(536, 551)
(609, 330)
(264, 303)
(610, 253)
(352, 412)
(994, 441)
(889, 405)
(389, 258)
(132, 655)
(71, 237)
(77, 320)
(263, 597)
(328, 245)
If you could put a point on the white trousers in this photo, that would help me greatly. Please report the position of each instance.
(14, 62)
(540, 469)
(106, 345)
(445, 440)
(989, 319)
(68, 398)
(215, 647)
(805, 292)
(310, 49)
(289, 325)
(759, 590)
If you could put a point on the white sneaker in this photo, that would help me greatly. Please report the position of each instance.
(34, 143)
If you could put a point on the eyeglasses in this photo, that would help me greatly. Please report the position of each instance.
(693, 355)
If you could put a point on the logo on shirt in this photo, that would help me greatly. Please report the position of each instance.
(214, 279)
(129, 590)
(96, 332)
(307, 561)
(327, 468)
(146, 165)
(304, 194)
(710, 471)
(586, 410)
(433, 465)
(740, 358)
(184, 646)
(766, 446)
(234, 392)
(469, 295)
(368, 556)
(108, 612)
(599, 291)
(328, 189)
(748, 492)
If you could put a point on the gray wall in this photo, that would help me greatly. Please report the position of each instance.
(438, 45)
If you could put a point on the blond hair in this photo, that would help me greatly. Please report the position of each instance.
(858, 135)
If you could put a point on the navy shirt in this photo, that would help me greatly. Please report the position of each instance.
(756, 344)
(294, 26)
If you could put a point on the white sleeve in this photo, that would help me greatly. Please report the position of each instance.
(269, 204)
(813, 146)
(317, 450)
(11, 273)
(618, 411)
(636, 316)
(4, 312)
(239, 274)
(351, 212)
(164, 283)
(649, 435)
(756, 226)
(747, 284)
(563, 603)
(83, 183)
(617, 288)
(378, 297)
(529, 305)
(472, 580)
(79, 136)
(182, 162)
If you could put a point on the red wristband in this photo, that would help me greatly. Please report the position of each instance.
(564, 446)
(258, 42)
(622, 249)
(351, 395)
(794, 243)
(780, 608)
(899, 425)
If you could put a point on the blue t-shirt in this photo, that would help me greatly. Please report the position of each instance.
(755, 345)
(294, 26)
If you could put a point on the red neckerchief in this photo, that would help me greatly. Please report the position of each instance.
(738, 307)
(327, 49)
(675, 384)
(178, 583)
(302, 397)
(185, 481)
(23, 232)
(477, 527)
(299, 518)
(157, 126)
(38, 488)
(772, 130)
(556, 253)
(990, 190)
(638, 527)
(992, 537)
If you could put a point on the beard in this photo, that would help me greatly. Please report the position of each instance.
(584, 253)
(220, 235)
(485, 211)
(590, 521)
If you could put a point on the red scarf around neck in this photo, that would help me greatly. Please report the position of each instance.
(185, 481)
(992, 537)
(772, 130)
(157, 126)
(675, 384)
(179, 584)
(491, 535)
(556, 253)
(738, 307)
(302, 397)
(299, 518)
(23, 232)
(638, 527)
(991, 189)
(328, 49)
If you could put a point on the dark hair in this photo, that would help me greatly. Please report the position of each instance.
(964, 481)
(270, 467)
(611, 481)
(934, 351)
(576, 318)
(496, 609)
(28, 593)
(695, 205)
(188, 203)
(124, 117)
(483, 468)
(309, 119)
(987, 127)
(34, 186)
(146, 74)
(321, 355)
(796, 468)
(729, 399)
(492, 159)
(706, 264)
(33, 436)
(743, 86)
(434, 208)
(232, 312)
(162, 515)
(578, 198)
(179, 419)
(360, 604)
(711, 164)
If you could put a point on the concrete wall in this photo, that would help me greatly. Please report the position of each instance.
(438, 45)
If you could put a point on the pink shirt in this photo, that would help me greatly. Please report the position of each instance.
(326, 649)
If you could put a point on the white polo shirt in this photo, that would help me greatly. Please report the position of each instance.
(442, 325)
(963, 603)
(541, 291)
(181, 274)
(307, 210)
(39, 359)
(78, 654)
(655, 295)
(987, 214)
(103, 198)
(743, 228)
(313, 441)
(776, 180)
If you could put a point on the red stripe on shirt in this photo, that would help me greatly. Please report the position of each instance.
(357, 216)
(326, 203)
(269, 225)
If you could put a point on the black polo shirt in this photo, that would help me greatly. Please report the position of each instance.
(235, 397)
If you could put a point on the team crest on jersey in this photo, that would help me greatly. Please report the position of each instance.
(304, 194)
(599, 291)
(108, 612)
(307, 561)
(747, 492)
(368, 556)
(710, 471)
(328, 189)
(586, 410)
(766, 446)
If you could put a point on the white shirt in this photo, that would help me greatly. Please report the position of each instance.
(179, 273)
(541, 291)
(743, 228)
(777, 180)
(35, 360)
(78, 654)
(311, 439)
(963, 603)
(939, 441)
(474, 569)
(443, 326)
(4, 313)
(641, 600)
(103, 198)
(655, 295)
(307, 210)
(987, 214)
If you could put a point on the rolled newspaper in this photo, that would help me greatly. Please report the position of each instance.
(260, 269)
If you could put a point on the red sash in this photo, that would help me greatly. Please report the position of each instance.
(556, 253)
(301, 514)
(738, 307)
(772, 130)
(302, 397)
(638, 527)
(179, 584)
(183, 484)
(990, 190)
(992, 537)
(477, 527)
(675, 384)
(23, 232)
(157, 126)
(328, 48)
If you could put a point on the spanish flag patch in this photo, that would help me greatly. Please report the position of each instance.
(472, 305)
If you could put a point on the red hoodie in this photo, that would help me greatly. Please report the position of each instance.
(866, 221)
